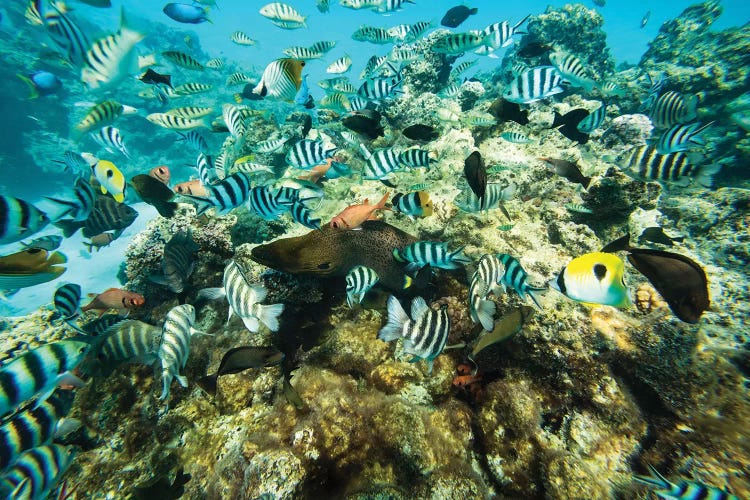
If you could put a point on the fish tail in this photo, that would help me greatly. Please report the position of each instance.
(519, 23)
(485, 314)
(534, 298)
(69, 226)
(381, 204)
(459, 257)
(33, 94)
(656, 479)
(269, 315)
(209, 383)
(396, 319)
(621, 243)
(201, 204)
(706, 174)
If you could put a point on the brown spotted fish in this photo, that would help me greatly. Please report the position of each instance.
(332, 252)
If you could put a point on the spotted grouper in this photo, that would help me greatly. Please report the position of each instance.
(333, 252)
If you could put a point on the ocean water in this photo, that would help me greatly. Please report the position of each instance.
(575, 400)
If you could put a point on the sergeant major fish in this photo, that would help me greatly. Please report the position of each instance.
(175, 345)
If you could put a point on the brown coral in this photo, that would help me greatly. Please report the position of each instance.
(647, 299)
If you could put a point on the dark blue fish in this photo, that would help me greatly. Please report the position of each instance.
(41, 83)
(684, 490)
(186, 13)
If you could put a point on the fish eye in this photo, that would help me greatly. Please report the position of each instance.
(324, 265)
(600, 271)
(110, 173)
(34, 250)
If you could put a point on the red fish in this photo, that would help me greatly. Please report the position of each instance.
(161, 173)
(354, 215)
(318, 171)
(114, 298)
(193, 188)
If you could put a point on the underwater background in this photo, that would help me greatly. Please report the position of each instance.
(428, 291)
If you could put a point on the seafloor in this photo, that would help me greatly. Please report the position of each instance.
(570, 407)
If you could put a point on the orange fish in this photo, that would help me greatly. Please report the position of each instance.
(354, 215)
(114, 298)
(318, 171)
(193, 188)
(465, 380)
(161, 173)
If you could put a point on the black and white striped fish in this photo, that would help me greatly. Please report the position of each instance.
(458, 43)
(129, 341)
(36, 472)
(283, 15)
(36, 426)
(678, 137)
(19, 219)
(323, 46)
(195, 140)
(380, 88)
(174, 348)
(645, 162)
(206, 172)
(240, 38)
(424, 334)
(190, 112)
(233, 120)
(372, 34)
(216, 63)
(113, 58)
(174, 122)
(79, 208)
(534, 84)
(192, 88)
(303, 53)
(415, 158)
(593, 120)
(515, 278)
(340, 65)
(486, 279)
(572, 70)
(383, 6)
(303, 215)
(404, 54)
(432, 253)
(74, 163)
(38, 371)
(494, 196)
(307, 153)
(653, 92)
(281, 79)
(183, 60)
(227, 194)
(266, 203)
(416, 30)
(109, 138)
(380, 163)
(516, 137)
(101, 114)
(67, 301)
(65, 33)
(498, 35)
(245, 300)
(99, 325)
(672, 108)
(399, 32)
(373, 64)
(461, 67)
(178, 261)
(416, 204)
(359, 280)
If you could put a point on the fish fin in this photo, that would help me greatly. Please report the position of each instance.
(706, 174)
(182, 379)
(412, 267)
(68, 378)
(251, 323)
(419, 307)
(119, 197)
(269, 315)
(485, 313)
(621, 243)
(408, 281)
(211, 293)
(383, 201)
(396, 319)
(65, 426)
(202, 204)
(33, 94)
(534, 299)
(209, 383)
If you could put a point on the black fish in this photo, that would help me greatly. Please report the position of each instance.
(107, 215)
(161, 488)
(569, 170)
(365, 122)
(154, 78)
(240, 359)
(419, 132)
(678, 279)
(656, 234)
(567, 125)
(476, 174)
(506, 111)
(457, 15)
(155, 193)
(306, 125)
(177, 262)
(533, 49)
(247, 93)
(101, 324)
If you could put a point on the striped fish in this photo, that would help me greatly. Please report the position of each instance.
(281, 79)
(283, 15)
(227, 194)
(383, 6)
(323, 46)
(458, 43)
(38, 371)
(645, 162)
(99, 325)
(653, 92)
(371, 34)
(266, 203)
(678, 137)
(270, 146)
(239, 78)
(206, 172)
(183, 60)
(416, 204)
(128, 341)
(416, 30)
(534, 84)
(74, 163)
(36, 472)
(241, 38)
(516, 137)
(178, 261)
(248, 167)
(357, 103)
(303, 215)
(359, 280)
(190, 112)
(374, 63)
(399, 32)
(498, 35)
(82, 204)
(216, 63)
(331, 83)
(174, 348)
(461, 68)
(109, 138)
(245, 300)
(65, 32)
(221, 165)
(19, 219)
(404, 54)
(515, 278)
(192, 88)
(593, 120)
(451, 90)
(576, 208)
(359, 4)
(345, 87)
(233, 120)
(572, 70)
(415, 158)
(486, 279)
(101, 114)
(380, 163)
(684, 490)
(174, 122)
(340, 65)
(303, 53)
(424, 334)
(435, 254)
(307, 153)
(336, 100)
(112, 58)
(67, 301)
(107, 215)
(36, 426)
(380, 88)
(195, 140)
(494, 196)
(672, 108)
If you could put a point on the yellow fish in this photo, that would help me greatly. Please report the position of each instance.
(594, 278)
(30, 267)
(110, 180)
